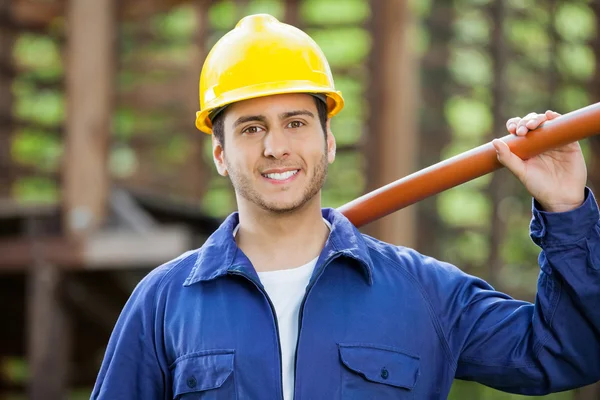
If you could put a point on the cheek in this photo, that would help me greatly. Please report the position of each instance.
(243, 159)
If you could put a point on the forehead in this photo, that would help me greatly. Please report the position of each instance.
(272, 105)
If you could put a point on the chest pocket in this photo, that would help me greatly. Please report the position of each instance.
(206, 376)
(377, 372)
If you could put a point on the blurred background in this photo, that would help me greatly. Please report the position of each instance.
(103, 175)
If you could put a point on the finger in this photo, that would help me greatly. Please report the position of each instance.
(511, 124)
(522, 125)
(535, 122)
(552, 114)
(509, 159)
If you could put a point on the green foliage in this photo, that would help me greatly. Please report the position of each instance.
(273, 7)
(571, 97)
(335, 12)
(464, 207)
(526, 35)
(223, 15)
(575, 22)
(37, 148)
(39, 55)
(345, 179)
(177, 24)
(472, 27)
(122, 161)
(36, 190)
(343, 46)
(44, 107)
(576, 61)
(466, 248)
(468, 118)
(471, 67)
(466, 390)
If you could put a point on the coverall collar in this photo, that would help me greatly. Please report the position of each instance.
(220, 254)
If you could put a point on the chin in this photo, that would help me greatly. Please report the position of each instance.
(283, 207)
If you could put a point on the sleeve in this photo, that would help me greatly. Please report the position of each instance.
(532, 349)
(132, 367)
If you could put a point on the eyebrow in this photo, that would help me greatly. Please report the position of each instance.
(289, 114)
(263, 119)
(249, 118)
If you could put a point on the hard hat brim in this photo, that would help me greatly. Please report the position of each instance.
(335, 101)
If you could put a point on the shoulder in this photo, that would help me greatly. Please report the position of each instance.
(429, 273)
(170, 273)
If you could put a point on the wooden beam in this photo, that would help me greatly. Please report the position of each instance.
(17, 254)
(91, 63)
(121, 250)
(36, 15)
(106, 250)
(39, 14)
(135, 9)
(11, 209)
(154, 96)
(392, 118)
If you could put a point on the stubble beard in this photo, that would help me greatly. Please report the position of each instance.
(242, 184)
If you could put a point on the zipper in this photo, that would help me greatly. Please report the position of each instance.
(301, 313)
(274, 315)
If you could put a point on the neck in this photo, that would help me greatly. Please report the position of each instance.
(275, 241)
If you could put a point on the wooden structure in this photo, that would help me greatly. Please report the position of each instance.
(67, 268)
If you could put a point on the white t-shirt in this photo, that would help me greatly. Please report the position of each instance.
(286, 289)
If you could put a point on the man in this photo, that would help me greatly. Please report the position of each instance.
(287, 300)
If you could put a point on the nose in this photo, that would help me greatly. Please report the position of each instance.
(277, 144)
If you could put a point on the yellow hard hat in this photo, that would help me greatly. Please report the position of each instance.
(261, 57)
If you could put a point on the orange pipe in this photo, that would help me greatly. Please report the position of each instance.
(568, 128)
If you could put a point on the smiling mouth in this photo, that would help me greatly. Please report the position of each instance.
(281, 176)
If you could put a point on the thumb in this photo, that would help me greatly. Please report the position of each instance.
(509, 159)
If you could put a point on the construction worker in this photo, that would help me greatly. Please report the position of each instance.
(288, 300)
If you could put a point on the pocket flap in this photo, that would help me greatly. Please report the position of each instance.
(201, 371)
(381, 364)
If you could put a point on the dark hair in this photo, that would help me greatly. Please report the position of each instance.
(218, 126)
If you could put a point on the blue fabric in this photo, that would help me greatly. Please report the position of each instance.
(378, 321)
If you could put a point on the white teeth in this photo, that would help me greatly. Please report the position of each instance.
(283, 176)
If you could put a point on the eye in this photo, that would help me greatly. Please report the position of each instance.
(295, 124)
(252, 130)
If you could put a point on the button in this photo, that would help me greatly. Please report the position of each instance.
(384, 373)
(191, 382)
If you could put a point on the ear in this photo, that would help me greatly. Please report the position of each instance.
(219, 156)
(331, 146)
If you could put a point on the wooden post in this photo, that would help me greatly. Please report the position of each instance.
(198, 173)
(392, 139)
(91, 61)
(500, 183)
(6, 46)
(48, 326)
(91, 39)
(292, 13)
(434, 133)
